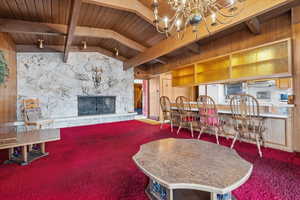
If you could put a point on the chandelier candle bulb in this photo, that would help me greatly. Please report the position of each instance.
(178, 24)
(166, 22)
(213, 19)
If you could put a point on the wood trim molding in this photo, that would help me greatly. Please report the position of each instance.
(133, 6)
(252, 9)
(72, 27)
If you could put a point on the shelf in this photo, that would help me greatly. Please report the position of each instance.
(285, 59)
(187, 75)
(215, 71)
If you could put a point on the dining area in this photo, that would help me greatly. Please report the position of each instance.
(204, 117)
(199, 158)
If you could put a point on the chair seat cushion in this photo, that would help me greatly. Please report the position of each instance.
(188, 119)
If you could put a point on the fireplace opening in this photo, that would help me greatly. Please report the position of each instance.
(96, 105)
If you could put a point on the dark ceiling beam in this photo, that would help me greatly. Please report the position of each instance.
(194, 47)
(20, 26)
(72, 27)
(161, 60)
(254, 25)
(60, 48)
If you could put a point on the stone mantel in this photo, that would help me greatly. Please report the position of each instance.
(82, 120)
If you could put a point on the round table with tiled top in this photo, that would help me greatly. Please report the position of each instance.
(191, 169)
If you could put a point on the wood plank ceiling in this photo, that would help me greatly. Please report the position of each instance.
(128, 24)
(58, 12)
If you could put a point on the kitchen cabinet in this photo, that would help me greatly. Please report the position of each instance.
(261, 62)
(284, 83)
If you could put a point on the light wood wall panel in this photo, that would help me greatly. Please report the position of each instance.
(8, 92)
(296, 77)
(154, 108)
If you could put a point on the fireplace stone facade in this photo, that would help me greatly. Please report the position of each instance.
(58, 84)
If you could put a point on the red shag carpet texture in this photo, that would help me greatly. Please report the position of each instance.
(95, 162)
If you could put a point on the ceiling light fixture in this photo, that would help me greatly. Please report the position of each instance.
(194, 13)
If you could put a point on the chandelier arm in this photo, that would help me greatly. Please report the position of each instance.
(206, 24)
(224, 22)
(159, 30)
(173, 22)
(229, 15)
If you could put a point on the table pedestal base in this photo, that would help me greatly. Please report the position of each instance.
(155, 191)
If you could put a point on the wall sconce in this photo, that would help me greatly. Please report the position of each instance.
(40, 44)
(96, 76)
(83, 45)
(116, 50)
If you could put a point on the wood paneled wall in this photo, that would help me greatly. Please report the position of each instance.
(296, 76)
(162, 86)
(8, 91)
(271, 30)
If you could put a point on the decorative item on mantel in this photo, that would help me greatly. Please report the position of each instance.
(97, 73)
(4, 71)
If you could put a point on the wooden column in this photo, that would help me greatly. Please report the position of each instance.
(296, 76)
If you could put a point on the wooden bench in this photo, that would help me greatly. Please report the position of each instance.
(32, 144)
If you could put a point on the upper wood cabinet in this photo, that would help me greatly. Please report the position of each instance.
(184, 76)
(284, 83)
(265, 61)
(213, 70)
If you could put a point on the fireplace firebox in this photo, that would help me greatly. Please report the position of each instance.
(96, 105)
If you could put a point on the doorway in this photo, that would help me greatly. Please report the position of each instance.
(138, 98)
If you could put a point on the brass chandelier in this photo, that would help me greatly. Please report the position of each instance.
(194, 13)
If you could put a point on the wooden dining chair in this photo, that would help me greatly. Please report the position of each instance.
(209, 117)
(33, 114)
(168, 113)
(248, 124)
(186, 116)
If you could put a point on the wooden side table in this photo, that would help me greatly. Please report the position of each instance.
(31, 145)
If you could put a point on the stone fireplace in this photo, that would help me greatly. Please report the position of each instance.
(96, 105)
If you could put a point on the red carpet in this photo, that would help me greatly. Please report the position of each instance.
(94, 162)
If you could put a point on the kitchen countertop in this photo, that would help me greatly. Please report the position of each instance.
(265, 115)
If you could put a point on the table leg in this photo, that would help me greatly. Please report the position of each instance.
(10, 153)
(30, 147)
(24, 155)
(43, 148)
